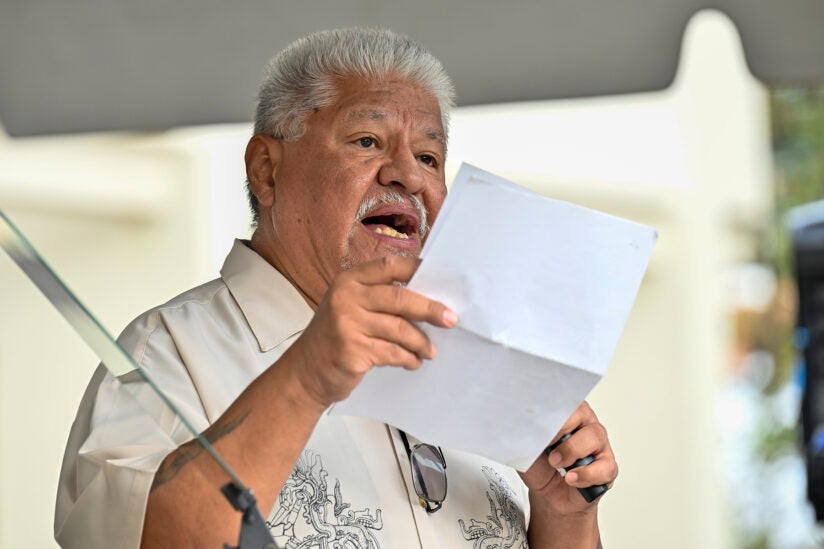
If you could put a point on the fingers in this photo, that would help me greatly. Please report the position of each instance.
(391, 354)
(401, 332)
(396, 300)
(600, 471)
(374, 285)
(587, 441)
(365, 320)
(590, 440)
(583, 415)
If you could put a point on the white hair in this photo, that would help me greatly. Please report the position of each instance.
(302, 77)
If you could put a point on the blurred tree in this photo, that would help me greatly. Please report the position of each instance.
(797, 120)
(797, 126)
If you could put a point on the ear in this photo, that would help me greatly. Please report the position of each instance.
(263, 154)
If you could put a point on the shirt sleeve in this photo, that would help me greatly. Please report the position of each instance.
(121, 434)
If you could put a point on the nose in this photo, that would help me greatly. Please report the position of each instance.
(402, 168)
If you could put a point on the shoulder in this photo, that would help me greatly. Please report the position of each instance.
(207, 301)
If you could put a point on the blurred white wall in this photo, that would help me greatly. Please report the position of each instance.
(131, 220)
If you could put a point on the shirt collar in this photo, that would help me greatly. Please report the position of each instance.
(274, 309)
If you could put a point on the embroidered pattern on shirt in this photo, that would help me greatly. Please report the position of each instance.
(504, 527)
(307, 516)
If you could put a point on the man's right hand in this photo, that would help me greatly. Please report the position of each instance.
(365, 320)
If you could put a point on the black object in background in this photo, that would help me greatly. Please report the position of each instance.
(807, 226)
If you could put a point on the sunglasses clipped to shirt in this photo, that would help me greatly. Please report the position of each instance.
(428, 473)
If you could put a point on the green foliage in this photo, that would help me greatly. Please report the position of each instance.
(798, 150)
(774, 441)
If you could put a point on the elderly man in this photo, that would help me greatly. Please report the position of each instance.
(345, 174)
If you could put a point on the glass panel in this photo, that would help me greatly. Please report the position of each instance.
(111, 354)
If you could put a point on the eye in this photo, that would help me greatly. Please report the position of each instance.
(429, 160)
(367, 142)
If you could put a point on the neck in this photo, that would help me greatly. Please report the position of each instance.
(265, 246)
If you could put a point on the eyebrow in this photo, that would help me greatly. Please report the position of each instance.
(433, 134)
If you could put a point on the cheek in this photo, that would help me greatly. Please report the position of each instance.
(434, 202)
(332, 216)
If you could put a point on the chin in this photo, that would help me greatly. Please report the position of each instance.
(349, 260)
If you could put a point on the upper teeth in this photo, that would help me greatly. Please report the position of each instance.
(389, 231)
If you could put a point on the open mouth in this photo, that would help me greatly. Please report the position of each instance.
(395, 225)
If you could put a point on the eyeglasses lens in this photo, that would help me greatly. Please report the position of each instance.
(428, 473)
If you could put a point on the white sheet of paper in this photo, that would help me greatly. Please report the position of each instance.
(542, 289)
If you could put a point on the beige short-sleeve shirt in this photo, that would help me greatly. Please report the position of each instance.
(351, 486)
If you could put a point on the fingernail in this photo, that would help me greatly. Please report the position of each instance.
(554, 459)
(571, 476)
(449, 317)
(432, 351)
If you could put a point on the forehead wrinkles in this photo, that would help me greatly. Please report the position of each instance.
(365, 114)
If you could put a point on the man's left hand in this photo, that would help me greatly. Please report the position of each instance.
(557, 494)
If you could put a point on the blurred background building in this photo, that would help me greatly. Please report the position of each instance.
(700, 400)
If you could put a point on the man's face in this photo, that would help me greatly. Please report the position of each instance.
(376, 140)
